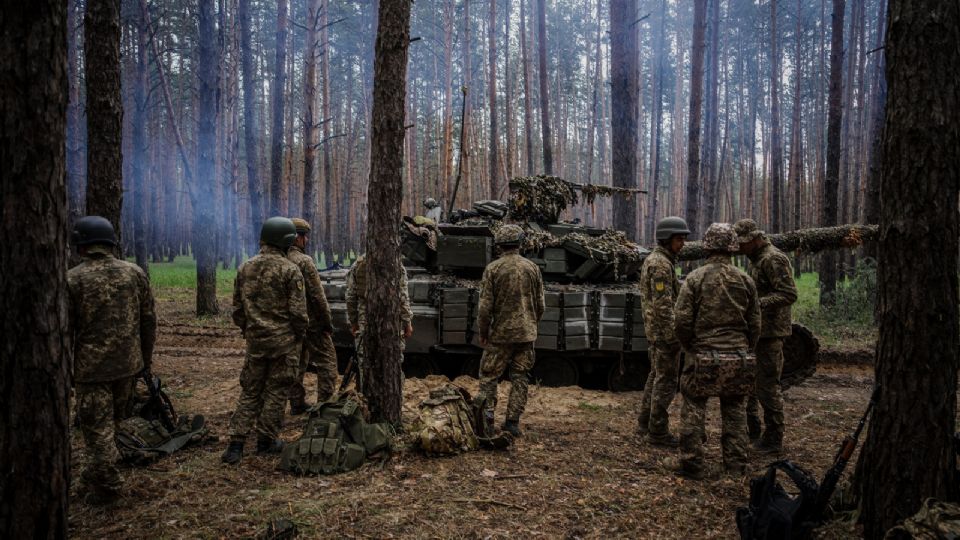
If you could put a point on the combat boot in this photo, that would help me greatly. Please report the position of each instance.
(512, 427)
(266, 445)
(102, 497)
(753, 427)
(665, 439)
(677, 467)
(768, 446)
(233, 453)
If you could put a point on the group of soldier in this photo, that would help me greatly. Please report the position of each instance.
(281, 309)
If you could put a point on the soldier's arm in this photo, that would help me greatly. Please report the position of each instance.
(239, 315)
(684, 316)
(148, 321)
(540, 305)
(406, 314)
(485, 307)
(352, 314)
(316, 297)
(753, 314)
(783, 289)
(297, 302)
(663, 303)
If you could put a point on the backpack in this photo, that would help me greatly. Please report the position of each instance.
(142, 441)
(775, 514)
(447, 422)
(336, 439)
(720, 373)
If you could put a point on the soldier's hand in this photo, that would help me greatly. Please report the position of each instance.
(408, 331)
(354, 329)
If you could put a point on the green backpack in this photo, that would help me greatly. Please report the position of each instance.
(141, 441)
(336, 439)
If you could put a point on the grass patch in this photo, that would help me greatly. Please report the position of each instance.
(849, 323)
(182, 274)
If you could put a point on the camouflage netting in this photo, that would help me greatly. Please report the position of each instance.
(804, 240)
(543, 198)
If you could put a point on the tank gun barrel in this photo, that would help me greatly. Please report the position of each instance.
(803, 240)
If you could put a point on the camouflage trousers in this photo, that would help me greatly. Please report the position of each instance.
(99, 407)
(733, 438)
(767, 391)
(317, 351)
(497, 358)
(659, 390)
(265, 382)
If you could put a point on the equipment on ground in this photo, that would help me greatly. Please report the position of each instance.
(156, 430)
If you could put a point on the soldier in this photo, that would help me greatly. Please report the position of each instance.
(717, 310)
(114, 329)
(773, 275)
(270, 308)
(511, 304)
(658, 293)
(434, 211)
(357, 306)
(318, 349)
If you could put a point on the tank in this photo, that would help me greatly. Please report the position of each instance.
(591, 332)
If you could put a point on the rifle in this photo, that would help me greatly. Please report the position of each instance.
(847, 447)
(348, 373)
(164, 408)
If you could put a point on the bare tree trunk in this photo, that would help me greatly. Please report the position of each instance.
(711, 128)
(871, 211)
(657, 123)
(492, 94)
(203, 197)
(595, 103)
(544, 89)
(75, 152)
(527, 114)
(35, 355)
(254, 186)
(101, 47)
(382, 376)
(776, 150)
(446, 171)
(828, 262)
(508, 119)
(277, 92)
(918, 347)
(328, 188)
(796, 137)
(464, 162)
(309, 113)
(139, 165)
(696, 102)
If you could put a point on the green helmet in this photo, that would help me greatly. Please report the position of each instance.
(508, 235)
(721, 237)
(670, 226)
(93, 230)
(278, 232)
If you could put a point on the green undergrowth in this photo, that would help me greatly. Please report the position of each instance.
(848, 323)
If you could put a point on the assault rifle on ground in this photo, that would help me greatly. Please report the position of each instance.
(348, 373)
(159, 404)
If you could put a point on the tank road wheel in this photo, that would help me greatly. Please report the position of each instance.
(629, 375)
(799, 356)
(418, 366)
(555, 371)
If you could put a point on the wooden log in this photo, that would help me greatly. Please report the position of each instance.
(803, 241)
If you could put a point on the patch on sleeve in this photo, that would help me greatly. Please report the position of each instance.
(659, 286)
(299, 285)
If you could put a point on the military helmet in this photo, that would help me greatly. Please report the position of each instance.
(93, 230)
(670, 226)
(721, 237)
(747, 230)
(301, 225)
(430, 202)
(508, 235)
(278, 232)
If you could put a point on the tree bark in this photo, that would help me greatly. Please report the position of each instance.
(328, 188)
(696, 102)
(828, 216)
(203, 189)
(35, 355)
(382, 375)
(492, 96)
(624, 74)
(277, 92)
(807, 241)
(101, 47)
(908, 454)
(309, 114)
(254, 186)
(139, 143)
(656, 123)
(527, 105)
(711, 129)
(544, 89)
(776, 150)
(871, 210)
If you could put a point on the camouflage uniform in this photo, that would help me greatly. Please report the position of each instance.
(270, 308)
(114, 329)
(318, 349)
(771, 271)
(511, 304)
(658, 292)
(717, 309)
(357, 304)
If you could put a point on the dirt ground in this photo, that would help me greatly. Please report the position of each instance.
(578, 471)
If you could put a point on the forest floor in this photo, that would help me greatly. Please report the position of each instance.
(578, 471)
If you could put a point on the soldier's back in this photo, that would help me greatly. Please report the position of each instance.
(516, 287)
(724, 296)
(266, 281)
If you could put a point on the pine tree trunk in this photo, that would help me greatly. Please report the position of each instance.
(653, 195)
(382, 376)
(828, 217)
(35, 357)
(328, 188)
(871, 211)
(624, 74)
(776, 150)
(277, 91)
(446, 171)
(75, 152)
(139, 143)
(203, 194)
(544, 89)
(696, 102)
(527, 105)
(508, 120)
(101, 47)
(251, 150)
(309, 113)
(708, 154)
(494, 172)
(908, 454)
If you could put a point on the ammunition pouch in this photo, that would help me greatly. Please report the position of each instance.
(720, 373)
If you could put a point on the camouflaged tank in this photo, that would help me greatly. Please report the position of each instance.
(592, 330)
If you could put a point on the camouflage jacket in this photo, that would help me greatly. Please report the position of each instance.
(511, 300)
(772, 273)
(269, 304)
(659, 287)
(357, 294)
(717, 308)
(317, 307)
(111, 312)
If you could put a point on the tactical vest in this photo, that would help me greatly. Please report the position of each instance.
(446, 422)
(336, 439)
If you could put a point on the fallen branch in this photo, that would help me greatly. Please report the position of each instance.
(803, 241)
(491, 501)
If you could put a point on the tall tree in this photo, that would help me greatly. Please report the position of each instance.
(657, 121)
(101, 48)
(527, 105)
(203, 190)
(277, 97)
(918, 347)
(828, 216)
(624, 103)
(544, 89)
(871, 210)
(254, 186)
(696, 102)
(328, 188)
(382, 376)
(309, 113)
(776, 150)
(492, 96)
(35, 356)
(139, 163)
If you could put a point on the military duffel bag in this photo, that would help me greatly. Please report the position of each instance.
(336, 439)
(720, 373)
(446, 422)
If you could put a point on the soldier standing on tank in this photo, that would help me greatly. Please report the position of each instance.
(270, 308)
(114, 330)
(434, 211)
(717, 310)
(511, 304)
(658, 293)
(318, 349)
(357, 307)
(773, 275)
